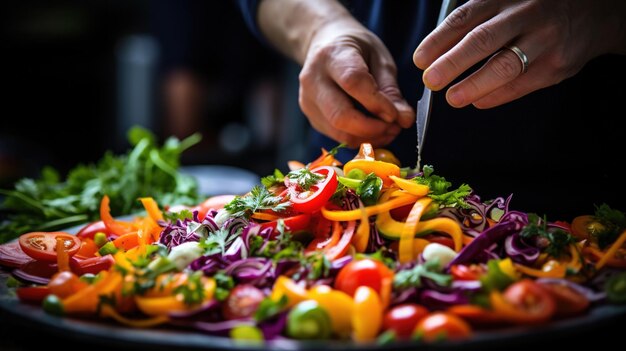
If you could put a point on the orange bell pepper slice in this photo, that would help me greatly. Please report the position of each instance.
(112, 225)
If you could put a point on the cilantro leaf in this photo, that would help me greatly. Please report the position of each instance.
(558, 239)
(275, 179)
(613, 223)
(305, 178)
(439, 189)
(268, 308)
(412, 277)
(192, 290)
(259, 198)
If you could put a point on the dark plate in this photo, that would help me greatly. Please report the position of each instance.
(20, 322)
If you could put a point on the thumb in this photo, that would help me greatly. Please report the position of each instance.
(389, 87)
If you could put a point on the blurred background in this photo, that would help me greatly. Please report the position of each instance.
(174, 67)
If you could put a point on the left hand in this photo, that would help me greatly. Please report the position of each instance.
(557, 36)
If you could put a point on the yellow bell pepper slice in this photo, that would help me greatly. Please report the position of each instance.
(392, 229)
(362, 236)
(386, 206)
(285, 286)
(405, 248)
(410, 186)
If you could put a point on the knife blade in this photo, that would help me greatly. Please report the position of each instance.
(422, 115)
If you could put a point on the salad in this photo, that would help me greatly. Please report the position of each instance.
(364, 251)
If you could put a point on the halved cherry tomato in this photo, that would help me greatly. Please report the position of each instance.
(441, 325)
(402, 319)
(32, 294)
(93, 265)
(88, 248)
(365, 272)
(11, 255)
(313, 199)
(524, 302)
(42, 245)
(293, 224)
(569, 302)
(242, 301)
(463, 272)
(583, 227)
(89, 230)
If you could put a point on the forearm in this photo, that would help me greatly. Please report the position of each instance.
(291, 24)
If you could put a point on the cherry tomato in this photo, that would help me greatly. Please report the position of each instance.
(313, 199)
(93, 265)
(476, 315)
(569, 302)
(242, 301)
(213, 203)
(89, 230)
(42, 245)
(401, 213)
(32, 294)
(64, 284)
(525, 302)
(463, 272)
(402, 319)
(386, 156)
(583, 227)
(11, 255)
(293, 224)
(441, 325)
(366, 272)
(443, 240)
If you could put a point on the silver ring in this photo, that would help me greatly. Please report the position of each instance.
(521, 55)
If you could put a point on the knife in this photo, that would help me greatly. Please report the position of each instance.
(424, 103)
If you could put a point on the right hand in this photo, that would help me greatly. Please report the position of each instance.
(344, 60)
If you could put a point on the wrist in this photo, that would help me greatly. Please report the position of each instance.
(292, 25)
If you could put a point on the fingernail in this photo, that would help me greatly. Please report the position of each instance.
(455, 98)
(432, 78)
(417, 58)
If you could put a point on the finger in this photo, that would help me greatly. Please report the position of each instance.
(386, 78)
(478, 44)
(351, 73)
(317, 120)
(460, 22)
(504, 67)
(336, 111)
(536, 78)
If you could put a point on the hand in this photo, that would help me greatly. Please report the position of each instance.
(344, 60)
(558, 37)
